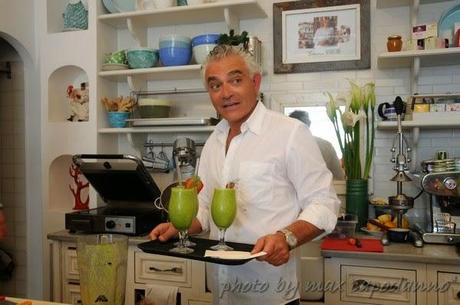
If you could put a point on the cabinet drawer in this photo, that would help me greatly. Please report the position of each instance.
(150, 268)
(72, 293)
(70, 263)
(373, 285)
(449, 288)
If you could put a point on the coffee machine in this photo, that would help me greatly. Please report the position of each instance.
(185, 158)
(443, 214)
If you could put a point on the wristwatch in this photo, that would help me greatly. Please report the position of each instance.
(290, 237)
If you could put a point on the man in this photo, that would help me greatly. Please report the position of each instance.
(284, 190)
(326, 148)
(2, 223)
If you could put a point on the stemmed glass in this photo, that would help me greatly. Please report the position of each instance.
(223, 212)
(182, 208)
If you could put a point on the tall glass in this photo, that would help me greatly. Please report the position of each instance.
(223, 212)
(182, 208)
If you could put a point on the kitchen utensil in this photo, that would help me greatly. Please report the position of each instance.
(379, 224)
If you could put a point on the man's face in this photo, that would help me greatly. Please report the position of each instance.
(232, 91)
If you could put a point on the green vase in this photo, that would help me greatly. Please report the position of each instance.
(357, 200)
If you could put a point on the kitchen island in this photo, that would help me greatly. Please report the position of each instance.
(402, 274)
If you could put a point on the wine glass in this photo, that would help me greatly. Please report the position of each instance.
(182, 209)
(223, 212)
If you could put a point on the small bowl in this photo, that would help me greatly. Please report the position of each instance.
(175, 56)
(195, 2)
(154, 108)
(142, 58)
(205, 39)
(118, 57)
(175, 37)
(117, 119)
(201, 52)
(398, 234)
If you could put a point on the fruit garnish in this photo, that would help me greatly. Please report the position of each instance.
(355, 242)
(194, 182)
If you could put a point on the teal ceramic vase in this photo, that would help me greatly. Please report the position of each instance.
(357, 199)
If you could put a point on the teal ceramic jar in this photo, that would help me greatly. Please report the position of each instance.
(75, 16)
(118, 119)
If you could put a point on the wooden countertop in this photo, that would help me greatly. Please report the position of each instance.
(34, 302)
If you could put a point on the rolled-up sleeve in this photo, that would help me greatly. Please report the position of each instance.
(312, 181)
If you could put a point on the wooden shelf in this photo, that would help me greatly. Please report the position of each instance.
(160, 73)
(435, 57)
(396, 3)
(203, 13)
(432, 124)
(166, 129)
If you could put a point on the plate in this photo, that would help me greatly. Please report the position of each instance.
(109, 6)
(72, 29)
(373, 233)
(447, 21)
(112, 67)
(124, 5)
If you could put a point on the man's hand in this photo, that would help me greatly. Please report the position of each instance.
(276, 247)
(163, 232)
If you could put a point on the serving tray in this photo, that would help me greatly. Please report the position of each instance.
(162, 248)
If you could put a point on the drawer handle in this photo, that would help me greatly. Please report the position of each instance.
(173, 269)
(364, 285)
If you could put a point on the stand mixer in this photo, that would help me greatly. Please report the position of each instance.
(184, 154)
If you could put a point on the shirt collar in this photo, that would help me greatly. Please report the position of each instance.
(253, 123)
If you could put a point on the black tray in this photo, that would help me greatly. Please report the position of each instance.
(162, 248)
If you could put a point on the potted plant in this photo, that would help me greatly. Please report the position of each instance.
(118, 110)
(234, 40)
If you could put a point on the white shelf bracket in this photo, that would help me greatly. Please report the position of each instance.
(415, 138)
(231, 20)
(414, 75)
(135, 84)
(138, 32)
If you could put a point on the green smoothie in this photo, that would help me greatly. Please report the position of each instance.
(223, 207)
(183, 206)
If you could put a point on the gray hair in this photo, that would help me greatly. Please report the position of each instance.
(222, 51)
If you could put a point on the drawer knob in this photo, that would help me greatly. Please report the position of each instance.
(173, 269)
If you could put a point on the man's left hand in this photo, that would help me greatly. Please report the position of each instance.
(276, 247)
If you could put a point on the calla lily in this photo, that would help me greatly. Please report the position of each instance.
(360, 104)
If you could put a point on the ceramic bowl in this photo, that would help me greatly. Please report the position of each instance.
(142, 58)
(175, 38)
(175, 56)
(205, 39)
(117, 119)
(195, 2)
(201, 52)
(118, 57)
(154, 108)
(398, 234)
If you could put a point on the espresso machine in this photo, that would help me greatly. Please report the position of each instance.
(184, 155)
(443, 214)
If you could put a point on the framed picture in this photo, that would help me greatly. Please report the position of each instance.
(321, 35)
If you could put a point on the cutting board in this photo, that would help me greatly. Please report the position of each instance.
(367, 245)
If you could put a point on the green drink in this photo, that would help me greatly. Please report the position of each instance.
(223, 212)
(183, 206)
(223, 207)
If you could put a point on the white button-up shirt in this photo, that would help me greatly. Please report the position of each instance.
(280, 178)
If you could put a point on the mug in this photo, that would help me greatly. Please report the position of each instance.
(388, 112)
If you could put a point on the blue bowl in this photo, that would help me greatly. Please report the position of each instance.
(175, 56)
(142, 58)
(205, 39)
(118, 119)
(174, 44)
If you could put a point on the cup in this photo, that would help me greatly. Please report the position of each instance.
(102, 262)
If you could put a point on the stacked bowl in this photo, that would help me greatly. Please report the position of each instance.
(139, 58)
(175, 50)
(202, 45)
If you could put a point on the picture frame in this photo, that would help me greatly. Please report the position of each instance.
(321, 35)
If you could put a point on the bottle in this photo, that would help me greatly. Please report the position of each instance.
(394, 43)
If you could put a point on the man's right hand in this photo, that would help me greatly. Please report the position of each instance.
(163, 232)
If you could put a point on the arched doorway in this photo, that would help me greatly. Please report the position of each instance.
(20, 167)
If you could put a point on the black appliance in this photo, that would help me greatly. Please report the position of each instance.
(128, 190)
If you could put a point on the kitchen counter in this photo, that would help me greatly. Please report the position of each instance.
(65, 236)
(405, 252)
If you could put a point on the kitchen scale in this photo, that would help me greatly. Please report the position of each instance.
(128, 190)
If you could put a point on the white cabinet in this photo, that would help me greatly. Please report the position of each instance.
(445, 282)
(143, 271)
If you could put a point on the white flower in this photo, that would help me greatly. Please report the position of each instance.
(349, 118)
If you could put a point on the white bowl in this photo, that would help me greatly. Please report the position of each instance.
(164, 3)
(200, 52)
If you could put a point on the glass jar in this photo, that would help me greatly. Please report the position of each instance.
(394, 43)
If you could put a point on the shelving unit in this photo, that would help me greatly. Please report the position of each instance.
(158, 73)
(415, 59)
(170, 129)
